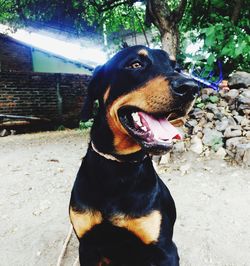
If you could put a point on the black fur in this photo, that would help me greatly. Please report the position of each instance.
(127, 187)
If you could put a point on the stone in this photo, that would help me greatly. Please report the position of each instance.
(196, 145)
(192, 122)
(233, 142)
(238, 118)
(212, 107)
(210, 116)
(247, 134)
(243, 107)
(221, 153)
(218, 115)
(197, 113)
(204, 97)
(222, 125)
(235, 113)
(209, 125)
(202, 122)
(244, 100)
(199, 135)
(243, 154)
(224, 85)
(247, 112)
(231, 121)
(208, 91)
(223, 103)
(179, 147)
(239, 79)
(245, 122)
(212, 138)
(223, 93)
(165, 159)
(231, 95)
(196, 129)
(233, 131)
(12, 132)
(4, 133)
(246, 93)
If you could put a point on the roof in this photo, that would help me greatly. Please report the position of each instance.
(80, 51)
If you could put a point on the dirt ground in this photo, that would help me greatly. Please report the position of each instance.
(36, 175)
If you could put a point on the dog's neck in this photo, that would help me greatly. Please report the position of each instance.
(132, 158)
(105, 155)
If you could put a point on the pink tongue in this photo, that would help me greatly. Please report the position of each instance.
(161, 128)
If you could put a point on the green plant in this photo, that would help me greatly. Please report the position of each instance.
(60, 128)
(85, 125)
(200, 103)
(213, 98)
(221, 28)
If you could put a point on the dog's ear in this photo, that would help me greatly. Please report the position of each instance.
(93, 92)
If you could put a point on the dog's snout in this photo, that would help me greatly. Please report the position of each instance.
(184, 87)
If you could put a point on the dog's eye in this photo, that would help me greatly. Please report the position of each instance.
(135, 65)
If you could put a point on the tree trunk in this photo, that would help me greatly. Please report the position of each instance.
(159, 13)
(170, 42)
(236, 11)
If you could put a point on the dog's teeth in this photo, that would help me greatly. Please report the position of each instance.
(136, 117)
(139, 123)
(144, 128)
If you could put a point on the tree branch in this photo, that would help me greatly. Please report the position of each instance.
(177, 14)
(158, 12)
(110, 4)
(142, 27)
(236, 11)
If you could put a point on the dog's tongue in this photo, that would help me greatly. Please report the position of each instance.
(161, 128)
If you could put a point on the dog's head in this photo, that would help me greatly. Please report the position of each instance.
(141, 96)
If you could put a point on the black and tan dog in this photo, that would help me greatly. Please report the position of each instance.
(121, 211)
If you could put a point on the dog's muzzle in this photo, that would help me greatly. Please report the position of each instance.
(183, 87)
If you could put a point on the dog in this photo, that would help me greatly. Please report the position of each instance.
(121, 211)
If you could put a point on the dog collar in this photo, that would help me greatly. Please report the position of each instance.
(113, 158)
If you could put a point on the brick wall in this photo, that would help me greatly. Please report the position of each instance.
(14, 57)
(58, 97)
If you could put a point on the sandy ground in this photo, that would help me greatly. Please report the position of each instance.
(36, 175)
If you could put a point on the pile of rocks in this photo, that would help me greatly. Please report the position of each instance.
(219, 124)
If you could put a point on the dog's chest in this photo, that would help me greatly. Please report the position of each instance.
(146, 228)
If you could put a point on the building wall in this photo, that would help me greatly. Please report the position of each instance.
(44, 62)
(58, 97)
(14, 57)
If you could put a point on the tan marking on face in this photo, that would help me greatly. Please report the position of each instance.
(143, 52)
(147, 228)
(84, 221)
(153, 97)
(106, 94)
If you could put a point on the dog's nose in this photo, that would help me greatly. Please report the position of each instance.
(184, 87)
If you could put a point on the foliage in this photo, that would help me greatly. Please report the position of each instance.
(221, 27)
(118, 21)
(222, 32)
(85, 125)
(201, 103)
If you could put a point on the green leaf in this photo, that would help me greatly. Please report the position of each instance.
(211, 59)
(214, 99)
(201, 105)
(217, 3)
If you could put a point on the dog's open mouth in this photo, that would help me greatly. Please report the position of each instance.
(154, 132)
